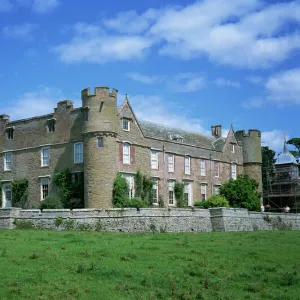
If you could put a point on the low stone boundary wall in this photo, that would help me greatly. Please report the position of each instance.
(150, 219)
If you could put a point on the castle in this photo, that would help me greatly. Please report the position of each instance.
(101, 139)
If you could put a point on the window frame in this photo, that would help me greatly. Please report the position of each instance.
(4, 195)
(5, 161)
(202, 167)
(43, 195)
(127, 121)
(232, 148)
(102, 142)
(126, 156)
(187, 166)
(189, 192)
(217, 174)
(217, 186)
(154, 160)
(130, 181)
(203, 187)
(76, 155)
(43, 164)
(155, 192)
(233, 171)
(171, 184)
(171, 166)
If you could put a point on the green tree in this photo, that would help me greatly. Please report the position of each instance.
(120, 191)
(268, 160)
(179, 194)
(296, 143)
(242, 192)
(20, 193)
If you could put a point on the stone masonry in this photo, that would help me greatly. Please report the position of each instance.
(106, 131)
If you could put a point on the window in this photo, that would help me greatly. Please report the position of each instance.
(233, 171)
(154, 159)
(171, 192)
(78, 153)
(187, 165)
(126, 124)
(171, 159)
(203, 191)
(77, 177)
(216, 169)
(86, 114)
(10, 133)
(44, 188)
(188, 193)
(100, 142)
(202, 167)
(130, 181)
(51, 125)
(232, 148)
(155, 192)
(126, 153)
(216, 189)
(45, 156)
(7, 161)
(6, 195)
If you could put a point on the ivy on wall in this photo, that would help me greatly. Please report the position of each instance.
(179, 194)
(19, 193)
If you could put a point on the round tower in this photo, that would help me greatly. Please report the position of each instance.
(252, 158)
(99, 145)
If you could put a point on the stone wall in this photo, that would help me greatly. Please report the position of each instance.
(151, 219)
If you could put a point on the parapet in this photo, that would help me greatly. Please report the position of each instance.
(64, 105)
(101, 91)
(250, 133)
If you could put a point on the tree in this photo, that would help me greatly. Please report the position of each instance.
(296, 143)
(242, 192)
(268, 161)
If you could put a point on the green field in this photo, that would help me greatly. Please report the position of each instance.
(92, 265)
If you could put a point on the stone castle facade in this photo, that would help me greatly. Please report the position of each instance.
(101, 139)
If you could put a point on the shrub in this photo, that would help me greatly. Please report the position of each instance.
(143, 188)
(179, 194)
(217, 201)
(20, 193)
(120, 191)
(58, 221)
(242, 192)
(23, 224)
(51, 202)
(203, 204)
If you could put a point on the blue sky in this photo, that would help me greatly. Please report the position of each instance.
(183, 63)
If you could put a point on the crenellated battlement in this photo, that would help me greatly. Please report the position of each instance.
(250, 133)
(100, 91)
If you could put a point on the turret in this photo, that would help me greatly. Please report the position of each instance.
(99, 145)
(252, 158)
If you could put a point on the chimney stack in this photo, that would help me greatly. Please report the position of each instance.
(216, 131)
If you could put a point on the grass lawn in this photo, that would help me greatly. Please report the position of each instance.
(91, 265)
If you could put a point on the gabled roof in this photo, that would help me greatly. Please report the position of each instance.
(285, 157)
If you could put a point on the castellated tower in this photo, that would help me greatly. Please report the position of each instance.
(99, 145)
(251, 143)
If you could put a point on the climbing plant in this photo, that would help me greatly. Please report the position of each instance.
(120, 191)
(20, 193)
(179, 193)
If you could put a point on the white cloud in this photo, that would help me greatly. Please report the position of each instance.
(91, 45)
(222, 82)
(145, 78)
(284, 87)
(44, 6)
(20, 31)
(131, 22)
(5, 5)
(273, 139)
(255, 79)
(30, 104)
(157, 110)
(186, 82)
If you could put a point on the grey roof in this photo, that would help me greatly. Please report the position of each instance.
(285, 157)
(166, 133)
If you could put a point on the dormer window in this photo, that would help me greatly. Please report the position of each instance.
(232, 148)
(126, 124)
(51, 125)
(176, 138)
(10, 133)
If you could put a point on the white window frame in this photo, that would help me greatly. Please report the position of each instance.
(7, 162)
(5, 188)
(44, 187)
(45, 159)
(130, 181)
(126, 153)
(154, 159)
(203, 191)
(216, 170)
(171, 185)
(126, 121)
(155, 191)
(78, 156)
(217, 189)
(188, 190)
(232, 148)
(202, 167)
(171, 163)
(233, 171)
(187, 165)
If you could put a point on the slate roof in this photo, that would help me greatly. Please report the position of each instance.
(167, 133)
